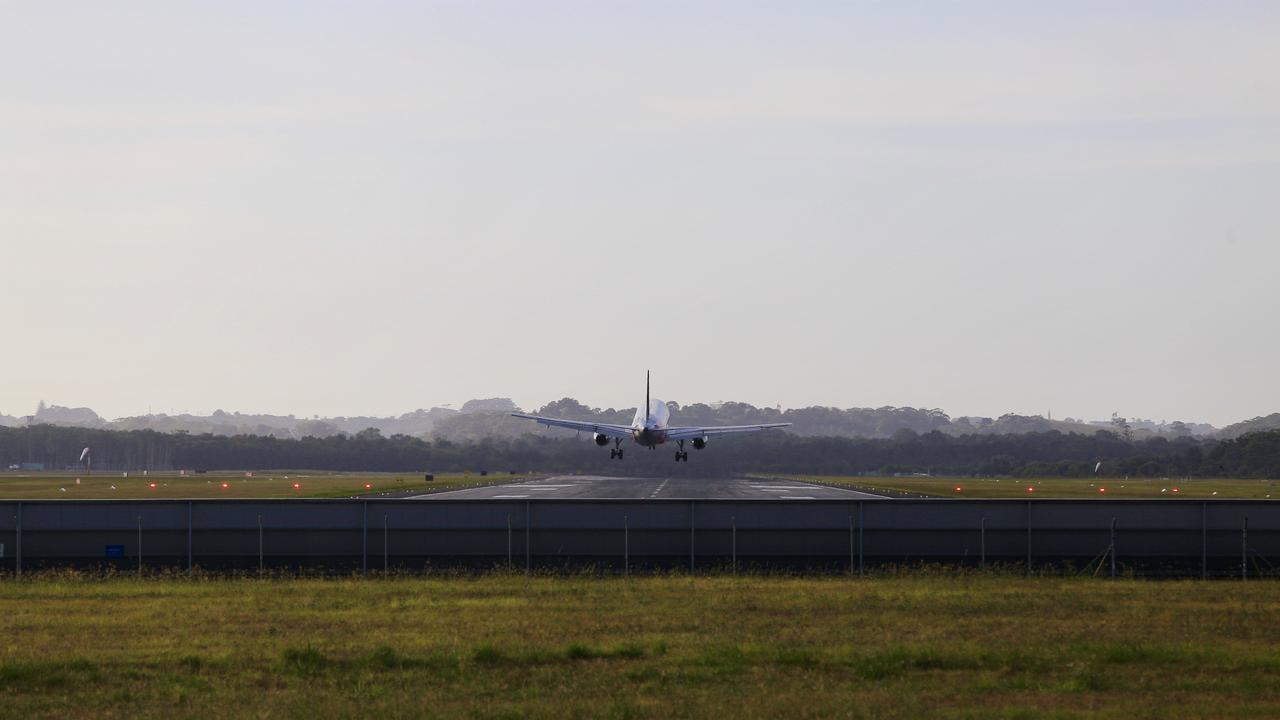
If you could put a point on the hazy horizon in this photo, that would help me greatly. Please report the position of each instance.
(175, 412)
(323, 210)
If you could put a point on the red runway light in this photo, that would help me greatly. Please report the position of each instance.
(368, 486)
(1102, 489)
(153, 486)
(957, 488)
(297, 486)
(225, 486)
(1031, 489)
(1175, 489)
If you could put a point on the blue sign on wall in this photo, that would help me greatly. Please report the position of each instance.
(115, 551)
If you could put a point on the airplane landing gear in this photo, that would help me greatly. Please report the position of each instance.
(616, 452)
(682, 455)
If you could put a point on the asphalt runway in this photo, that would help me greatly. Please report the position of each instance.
(592, 487)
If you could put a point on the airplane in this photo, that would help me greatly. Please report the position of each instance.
(648, 428)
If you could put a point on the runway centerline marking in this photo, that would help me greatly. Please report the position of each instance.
(509, 497)
(654, 494)
(797, 497)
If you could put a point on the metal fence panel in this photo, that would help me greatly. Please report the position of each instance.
(1190, 535)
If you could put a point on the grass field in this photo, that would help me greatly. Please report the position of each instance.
(1101, 488)
(269, 484)
(502, 646)
(313, 484)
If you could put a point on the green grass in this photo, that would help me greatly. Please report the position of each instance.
(263, 484)
(312, 484)
(961, 645)
(1100, 488)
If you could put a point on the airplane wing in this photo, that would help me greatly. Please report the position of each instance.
(688, 433)
(614, 431)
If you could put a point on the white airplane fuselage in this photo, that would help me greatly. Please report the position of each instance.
(649, 427)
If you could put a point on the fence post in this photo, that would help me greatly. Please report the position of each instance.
(1113, 548)
(852, 560)
(528, 561)
(982, 542)
(1204, 539)
(861, 566)
(364, 540)
(1244, 549)
(386, 551)
(17, 547)
(139, 546)
(1028, 537)
(508, 542)
(733, 541)
(190, 565)
(691, 536)
(259, 543)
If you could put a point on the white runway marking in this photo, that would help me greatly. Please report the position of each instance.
(593, 487)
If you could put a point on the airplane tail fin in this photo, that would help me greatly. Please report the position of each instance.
(646, 396)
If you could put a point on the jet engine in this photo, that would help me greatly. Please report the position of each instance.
(601, 440)
(699, 443)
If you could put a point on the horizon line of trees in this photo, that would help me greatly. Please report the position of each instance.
(1049, 453)
(490, 417)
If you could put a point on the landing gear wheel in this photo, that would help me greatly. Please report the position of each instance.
(682, 456)
(619, 451)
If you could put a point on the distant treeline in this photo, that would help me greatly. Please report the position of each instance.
(491, 418)
(1030, 454)
(816, 421)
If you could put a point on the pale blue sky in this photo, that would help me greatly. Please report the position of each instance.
(349, 208)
